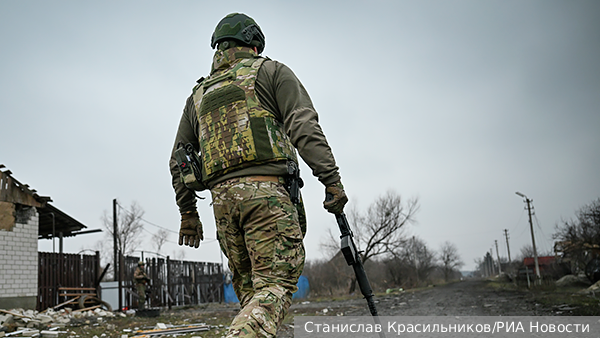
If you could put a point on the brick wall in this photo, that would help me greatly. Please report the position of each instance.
(19, 261)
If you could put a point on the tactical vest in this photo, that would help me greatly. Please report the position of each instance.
(235, 130)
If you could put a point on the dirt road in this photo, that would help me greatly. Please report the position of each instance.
(466, 298)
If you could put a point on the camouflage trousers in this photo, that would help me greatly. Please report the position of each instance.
(259, 231)
(141, 291)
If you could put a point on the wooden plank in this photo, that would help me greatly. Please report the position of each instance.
(14, 314)
(88, 308)
(10, 191)
(77, 294)
(61, 304)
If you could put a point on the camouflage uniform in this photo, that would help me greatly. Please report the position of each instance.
(259, 229)
(140, 278)
(259, 232)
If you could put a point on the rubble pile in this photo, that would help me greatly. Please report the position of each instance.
(573, 281)
(48, 323)
(162, 330)
(593, 288)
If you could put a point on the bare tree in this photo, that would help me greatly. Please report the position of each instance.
(488, 267)
(328, 276)
(580, 238)
(450, 259)
(417, 254)
(129, 228)
(526, 251)
(412, 265)
(380, 231)
(179, 254)
(159, 239)
(106, 255)
(480, 267)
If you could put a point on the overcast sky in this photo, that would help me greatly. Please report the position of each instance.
(457, 103)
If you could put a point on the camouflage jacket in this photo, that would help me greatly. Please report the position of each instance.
(139, 275)
(282, 94)
(236, 132)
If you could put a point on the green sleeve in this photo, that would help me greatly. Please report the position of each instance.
(186, 133)
(282, 93)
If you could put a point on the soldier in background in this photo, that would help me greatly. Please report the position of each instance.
(141, 279)
(247, 119)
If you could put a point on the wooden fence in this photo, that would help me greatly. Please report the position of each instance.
(174, 283)
(64, 270)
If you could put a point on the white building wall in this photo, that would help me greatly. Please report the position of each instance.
(19, 258)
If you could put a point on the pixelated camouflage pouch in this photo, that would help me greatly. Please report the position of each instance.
(189, 166)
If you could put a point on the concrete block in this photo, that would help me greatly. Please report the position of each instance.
(5, 319)
(30, 333)
(44, 318)
(33, 323)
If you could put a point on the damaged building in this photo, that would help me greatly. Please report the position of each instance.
(25, 217)
(35, 280)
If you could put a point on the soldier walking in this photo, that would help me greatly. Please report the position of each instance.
(247, 119)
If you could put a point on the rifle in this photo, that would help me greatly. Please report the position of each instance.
(352, 256)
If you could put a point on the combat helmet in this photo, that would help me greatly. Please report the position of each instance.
(141, 263)
(241, 28)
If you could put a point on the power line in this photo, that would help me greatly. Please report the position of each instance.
(166, 240)
(544, 242)
(519, 221)
(461, 235)
(516, 227)
(206, 239)
(156, 225)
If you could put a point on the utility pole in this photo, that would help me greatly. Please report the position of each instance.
(416, 260)
(115, 243)
(498, 255)
(492, 261)
(486, 262)
(507, 246)
(535, 255)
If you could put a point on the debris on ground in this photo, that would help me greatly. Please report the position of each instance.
(388, 291)
(48, 323)
(592, 289)
(163, 329)
(573, 281)
(150, 312)
(62, 323)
